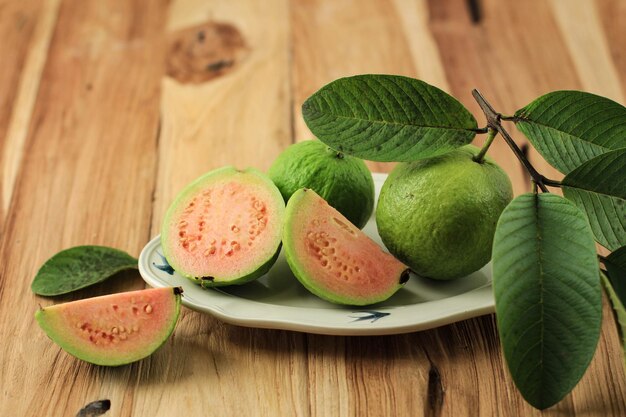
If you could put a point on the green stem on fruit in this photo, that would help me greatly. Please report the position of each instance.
(491, 134)
(493, 122)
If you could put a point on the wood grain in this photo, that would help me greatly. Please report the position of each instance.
(28, 23)
(87, 176)
(109, 108)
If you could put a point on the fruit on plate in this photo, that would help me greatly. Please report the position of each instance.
(332, 258)
(113, 329)
(342, 180)
(224, 228)
(439, 215)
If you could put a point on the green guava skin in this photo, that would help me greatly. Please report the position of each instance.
(439, 215)
(257, 273)
(342, 180)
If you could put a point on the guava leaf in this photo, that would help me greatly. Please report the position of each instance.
(616, 270)
(615, 284)
(388, 118)
(80, 267)
(598, 187)
(548, 295)
(569, 128)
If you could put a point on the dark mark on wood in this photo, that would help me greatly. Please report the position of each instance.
(201, 53)
(216, 66)
(95, 408)
(435, 392)
(475, 11)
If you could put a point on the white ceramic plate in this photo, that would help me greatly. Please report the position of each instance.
(278, 301)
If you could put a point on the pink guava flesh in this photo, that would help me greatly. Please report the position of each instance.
(225, 227)
(113, 329)
(333, 258)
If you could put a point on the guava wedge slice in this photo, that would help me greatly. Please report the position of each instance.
(224, 228)
(114, 329)
(335, 260)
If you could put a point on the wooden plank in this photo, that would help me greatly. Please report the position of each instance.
(612, 15)
(225, 101)
(29, 24)
(87, 177)
(588, 47)
(424, 53)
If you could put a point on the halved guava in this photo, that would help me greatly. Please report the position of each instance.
(224, 228)
(113, 329)
(335, 260)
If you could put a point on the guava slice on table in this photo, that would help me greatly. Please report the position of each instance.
(335, 260)
(114, 329)
(224, 228)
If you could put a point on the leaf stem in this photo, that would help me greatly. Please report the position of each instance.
(491, 134)
(493, 122)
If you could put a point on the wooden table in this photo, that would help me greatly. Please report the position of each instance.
(107, 108)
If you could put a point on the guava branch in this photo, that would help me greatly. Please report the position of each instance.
(491, 134)
(493, 122)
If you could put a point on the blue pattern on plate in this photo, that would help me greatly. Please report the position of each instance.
(369, 315)
(166, 267)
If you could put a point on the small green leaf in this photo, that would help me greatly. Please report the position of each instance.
(80, 267)
(571, 127)
(598, 187)
(388, 118)
(548, 295)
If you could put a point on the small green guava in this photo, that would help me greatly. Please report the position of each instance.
(344, 181)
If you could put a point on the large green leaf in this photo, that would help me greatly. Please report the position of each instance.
(80, 267)
(388, 118)
(548, 295)
(598, 187)
(571, 127)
